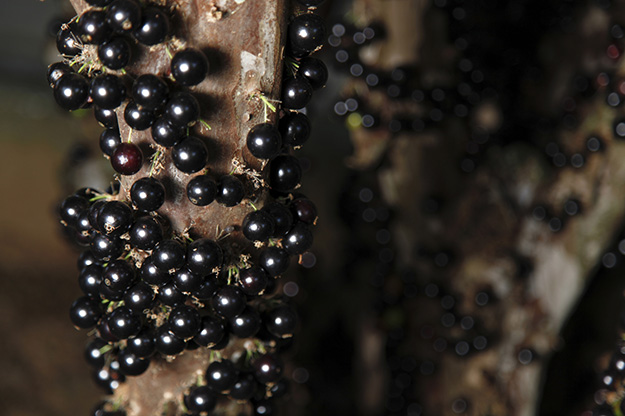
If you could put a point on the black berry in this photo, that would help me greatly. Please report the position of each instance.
(267, 368)
(306, 34)
(145, 233)
(281, 321)
(89, 280)
(274, 260)
(71, 209)
(114, 54)
(123, 323)
(285, 173)
(314, 70)
(107, 118)
(295, 129)
(165, 134)
(282, 217)
(203, 256)
(152, 275)
(118, 275)
(169, 294)
(245, 324)
(221, 375)
(137, 117)
(167, 343)
(182, 110)
(92, 27)
(67, 42)
(201, 190)
(153, 28)
(147, 194)
(150, 91)
(258, 226)
(211, 332)
(168, 254)
(190, 155)
(130, 364)
(109, 140)
(229, 301)
(186, 281)
(56, 71)
(184, 321)
(139, 297)
(123, 15)
(244, 388)
(200, 399)
(93, 354)
(253, 280)
(264, 141)
(114, 217)
(141, 345)
(71, 91)
(105, 247)
(296, 93)
(189, 67)
(304, 210)
(298, 240)
(85, 312)
(230, 191)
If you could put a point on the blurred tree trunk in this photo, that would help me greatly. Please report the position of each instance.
(533, 275)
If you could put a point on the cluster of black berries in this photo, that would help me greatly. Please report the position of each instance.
(148, 292)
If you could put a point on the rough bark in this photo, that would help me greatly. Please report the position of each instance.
(536, 275)
(243, 41)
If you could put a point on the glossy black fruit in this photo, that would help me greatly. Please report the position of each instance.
(267, 368)
(184, 321)
(281, 321)
(168, 255)
(285, 173)
(221, 375)
(296, 93)
(92, 27)
(245, 324)
(201, 190)
(264, 141)
(141, 345)
(200, 399)
(298, 239)
(253, 280)
(123, 15)
(105, 247)
(115, 54)
(71, 91)
(109, 140)
(85, 312)
(203, 256)
(314, 70)
(145, 233)
(258, 226)
(166, 134)
(114, 218)
(130, 364)
(56, 72)
(89, 280)
(229, 301)
(123, 323)
(189, 67)
(118, 275)
(137, 117)
(150, 91)
(153, 28)
(139, 297)
(71, 209)
(182, 110)
(107, 118)
(282, 217)
(93, 353)
(67, 41)
(306, 34)
(274, 260)
(230, 190)
(211, 332)
(167, 343)
(147, 194)
(295, 129)
(190, 155)
(152, 275)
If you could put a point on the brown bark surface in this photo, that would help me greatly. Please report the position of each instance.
(243, 41)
